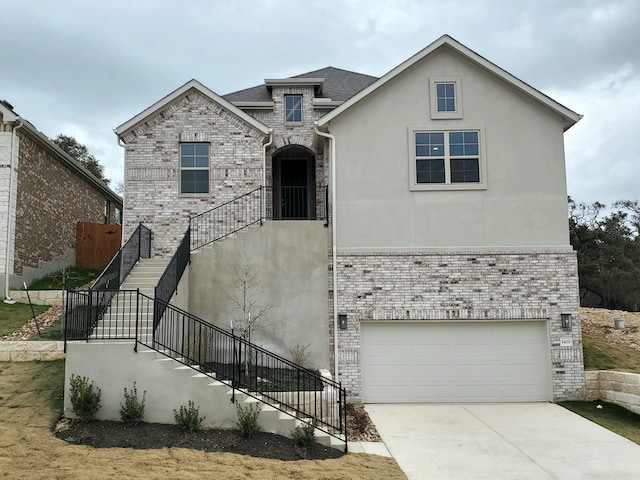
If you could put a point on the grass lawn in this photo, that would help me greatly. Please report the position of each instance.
(75, 278)
(602, 355)
(31, 400)
(611, 416)
(52, 332)
(12, 317)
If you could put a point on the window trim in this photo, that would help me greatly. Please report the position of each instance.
(482, 160)
(457, 84)
(190, 169)
(291, 95)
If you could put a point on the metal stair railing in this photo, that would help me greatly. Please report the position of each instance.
(286, 386)
(84, 309)
(246, 367)
(227, 218)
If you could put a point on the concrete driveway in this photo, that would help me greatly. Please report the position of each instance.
(505, 441)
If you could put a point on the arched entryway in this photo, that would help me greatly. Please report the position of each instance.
(294, 184)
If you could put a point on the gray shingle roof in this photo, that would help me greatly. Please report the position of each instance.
(338, 85)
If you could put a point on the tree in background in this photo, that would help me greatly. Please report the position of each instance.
(81, 153)
(608, 248)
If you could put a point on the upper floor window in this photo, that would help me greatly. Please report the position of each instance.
(446, 98)
(447, 160)
(293, 108)
(194, 168)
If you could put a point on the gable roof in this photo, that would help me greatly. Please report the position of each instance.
(191, 84)
(10, 116)
(570, 117)
(338, 85)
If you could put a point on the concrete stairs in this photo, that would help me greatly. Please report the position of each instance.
(120, 318)
(272, 418)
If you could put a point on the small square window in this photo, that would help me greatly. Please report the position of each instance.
(446, 98)
(194, 168)
(293, 108)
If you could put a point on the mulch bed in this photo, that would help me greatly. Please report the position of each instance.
(106, 434)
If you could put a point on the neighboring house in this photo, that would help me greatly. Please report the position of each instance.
(43, 194)
(444, 272)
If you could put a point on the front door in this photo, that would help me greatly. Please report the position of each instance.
(294, 187)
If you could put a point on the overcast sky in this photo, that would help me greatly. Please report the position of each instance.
(84, 67)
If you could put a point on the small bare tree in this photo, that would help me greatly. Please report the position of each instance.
(246, 295)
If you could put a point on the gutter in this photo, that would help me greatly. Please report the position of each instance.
(334, 261)
(264, 172)
(13, 162)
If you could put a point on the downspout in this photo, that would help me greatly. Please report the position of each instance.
(120, 144)
(12, 163)
(334, 261)
(264, 172)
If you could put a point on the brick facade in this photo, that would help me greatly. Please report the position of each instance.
(469, 286)
(293, 134)
(51, 199)
(152, 168)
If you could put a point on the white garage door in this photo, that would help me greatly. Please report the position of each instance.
(455, 362)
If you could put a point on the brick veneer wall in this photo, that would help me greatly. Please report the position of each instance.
(51, 199)
(285, 134)
(152, 167)
(462, 286)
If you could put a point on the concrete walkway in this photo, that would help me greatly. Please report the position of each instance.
(498, 442)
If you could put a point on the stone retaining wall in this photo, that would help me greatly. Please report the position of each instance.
(31, 351)
(620, 388)
(39, 297)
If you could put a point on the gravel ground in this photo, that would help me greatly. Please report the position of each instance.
(598, 322)
(45, 319)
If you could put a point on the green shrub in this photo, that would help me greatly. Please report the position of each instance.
(248, 419)
(132, 411)
(304, 437)
(188, 418)
(85, 399)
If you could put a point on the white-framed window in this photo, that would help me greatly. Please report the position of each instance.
(447, 159)
(293, 108)
(446, 98)
(194, 168)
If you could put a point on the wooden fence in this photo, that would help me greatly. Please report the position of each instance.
(96, 244)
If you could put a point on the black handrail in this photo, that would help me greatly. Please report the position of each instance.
(290, 388)
(168, 283)
(226, 219)
(86, 309)
(263, 203)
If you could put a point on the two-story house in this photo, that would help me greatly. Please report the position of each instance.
(410, 232)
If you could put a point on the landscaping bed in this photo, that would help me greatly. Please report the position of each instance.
(106, 434)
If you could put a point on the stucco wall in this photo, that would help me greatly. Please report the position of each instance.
(115, 366)
(524, 204)
(290, 263)
(465, 286)
(152, 167)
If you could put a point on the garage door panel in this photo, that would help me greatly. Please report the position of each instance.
(455, 362)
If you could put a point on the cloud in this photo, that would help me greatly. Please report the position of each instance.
(87, 66)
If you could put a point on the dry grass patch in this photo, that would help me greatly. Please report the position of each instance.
(30, 404)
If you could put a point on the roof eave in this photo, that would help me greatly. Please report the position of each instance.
(570, 117)
(191, 84)
(70, 162)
